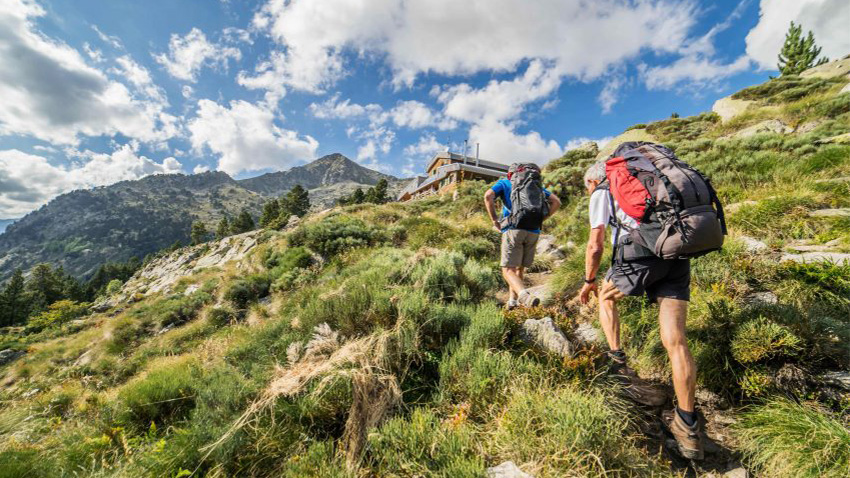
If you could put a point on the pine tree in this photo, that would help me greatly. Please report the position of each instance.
(223, 229)
(357, 197)
(199, 233)
(295, 202)
(14, 307)
(798, 54)
(42, 288)
(242, 223)
(378, 193)
(271, 211)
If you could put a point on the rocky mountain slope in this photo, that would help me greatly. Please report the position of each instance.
(83, 229)
(368, 341)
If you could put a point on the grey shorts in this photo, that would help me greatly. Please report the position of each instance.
(518, 248)
(655, 277)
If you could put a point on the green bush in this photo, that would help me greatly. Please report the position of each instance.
(221, 316)
(335, 234)
(476, 248)
(319, 461)
(242, 292)
(288, 259)
(425, 231)
(761, 339)
(784, 89)
(786, 439)
(165, 393)
(57, 314)
(423, 446)
(569, 432)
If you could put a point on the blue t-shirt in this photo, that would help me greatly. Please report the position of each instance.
(502, 188)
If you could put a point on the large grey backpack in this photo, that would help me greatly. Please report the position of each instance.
(676, 208)
(528, 201)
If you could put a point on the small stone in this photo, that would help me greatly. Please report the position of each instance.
(547, 247)
(812, 257)
(758, 298)
(707, 398)
(838, 212)
(9, 355)
(736, 473)
(586, 334)
(542, 292)
(840, 379)
(753, 245)
(506, 470)
(545, 334)
(191, 289)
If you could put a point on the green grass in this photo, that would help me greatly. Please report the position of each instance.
(785, 439)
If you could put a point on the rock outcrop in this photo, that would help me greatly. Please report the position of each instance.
(162, 274)
(636, 134)
(544, 334)
(728, 108)
(506, 470)
(829, 70)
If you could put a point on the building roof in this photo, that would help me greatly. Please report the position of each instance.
(468, 160)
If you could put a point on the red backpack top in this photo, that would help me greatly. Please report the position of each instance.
(677, 209)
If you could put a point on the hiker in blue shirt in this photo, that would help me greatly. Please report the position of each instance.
(518, 243)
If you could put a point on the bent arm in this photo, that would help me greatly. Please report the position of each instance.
(490, 204)
(593, 254)
(554, 205)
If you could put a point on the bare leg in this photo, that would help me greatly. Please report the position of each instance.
(672, 316)
(609, 318)
(514, 280)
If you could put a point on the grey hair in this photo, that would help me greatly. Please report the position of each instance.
(595, 172)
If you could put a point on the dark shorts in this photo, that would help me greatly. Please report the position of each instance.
(655, 277)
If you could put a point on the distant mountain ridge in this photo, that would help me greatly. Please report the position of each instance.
(325, 171)
(82, 229)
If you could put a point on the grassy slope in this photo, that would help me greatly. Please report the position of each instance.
(406, 291)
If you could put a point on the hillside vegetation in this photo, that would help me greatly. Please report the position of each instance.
(368, 341)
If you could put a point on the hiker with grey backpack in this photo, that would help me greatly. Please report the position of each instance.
(525, 205)
(662, 213)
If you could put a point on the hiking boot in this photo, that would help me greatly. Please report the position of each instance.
(635, 388)
(511, 305)
(687, 437)
(528, 300)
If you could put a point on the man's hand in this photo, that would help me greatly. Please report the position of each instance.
(497, 225)
(586, 290)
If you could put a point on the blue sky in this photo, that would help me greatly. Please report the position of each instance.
(95, 92)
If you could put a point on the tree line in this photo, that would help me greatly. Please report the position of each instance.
(377, 194)
(22, 299)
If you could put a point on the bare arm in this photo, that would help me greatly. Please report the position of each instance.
(490, 205)
(554, 205)
(592, 258)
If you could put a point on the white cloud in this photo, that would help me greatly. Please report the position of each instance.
(499, 100)
(50, 93)
(415, 115)
(140, 77)
(110, 40)
(501, 142)
(609, 95)
(200, 169)
(426, 146)
(333, 108)
(497, 35)
(27, 181)
(245, 138)
(95, 54)
(189, 53)
(827, 19)
(379, 139)
(697, 65)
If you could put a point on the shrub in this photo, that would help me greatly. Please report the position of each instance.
(57, 314)
(242, 292)
(423, 446)
(426, 232)
(320, 460)
(166, 392)
(114, 287)
(786, 439)
(335, 234)
(568, 432)
(221, 316)
(760, 339)
(476, 248)
(288, 259)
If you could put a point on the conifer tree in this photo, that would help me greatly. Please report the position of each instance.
(223, 229)
(295, 202)
(199, 233)
(14, 307)
(357, 197)
(271, 211)
(798, 53)
(378, 193)
(242, 223)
